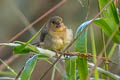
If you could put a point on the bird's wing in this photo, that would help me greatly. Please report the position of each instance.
(44, 32)
(69, 34)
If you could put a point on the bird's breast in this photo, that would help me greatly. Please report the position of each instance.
(53, 43)
(58, 40)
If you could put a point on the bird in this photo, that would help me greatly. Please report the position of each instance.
(55, 35)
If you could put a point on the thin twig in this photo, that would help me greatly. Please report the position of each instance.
(101, 53)
(107, 73)
(88, 7)
(81, 3)
(88, 55)
(69, 45)
(60, 3)
(27, 28)
(19, 73)
(78, 54)
(36, 21)
(2, 66)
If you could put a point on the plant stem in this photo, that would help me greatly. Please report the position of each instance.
(96, 74)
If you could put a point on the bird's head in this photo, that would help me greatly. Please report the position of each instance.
(56, 23)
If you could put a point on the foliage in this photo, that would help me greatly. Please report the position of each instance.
(76, 67)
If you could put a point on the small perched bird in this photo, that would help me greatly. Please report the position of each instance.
(55, 34)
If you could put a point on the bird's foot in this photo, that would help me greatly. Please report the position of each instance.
(66, 56)
(57, 53)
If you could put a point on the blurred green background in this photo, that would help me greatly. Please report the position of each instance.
(15, 15)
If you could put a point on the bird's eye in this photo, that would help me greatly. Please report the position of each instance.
(53, 22)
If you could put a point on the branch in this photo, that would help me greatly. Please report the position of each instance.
(107, 73)
(27, 28)
(69, 45)
(52, 54)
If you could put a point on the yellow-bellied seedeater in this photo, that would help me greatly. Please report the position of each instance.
(55, 34)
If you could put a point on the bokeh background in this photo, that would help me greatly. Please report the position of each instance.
(15, 15)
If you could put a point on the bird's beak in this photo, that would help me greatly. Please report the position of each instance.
(58, 24)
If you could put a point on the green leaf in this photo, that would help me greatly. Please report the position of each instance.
(28, 42)
(6, 65)
(26, 47)
(110, 20)
(103, 24)
(18, 49)
(82, 67)
(70, 64)
(81, 46)
(81, 42)
(23, 48)
(111, 52)
(96, 74)
(29, 67)
(110, 12)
